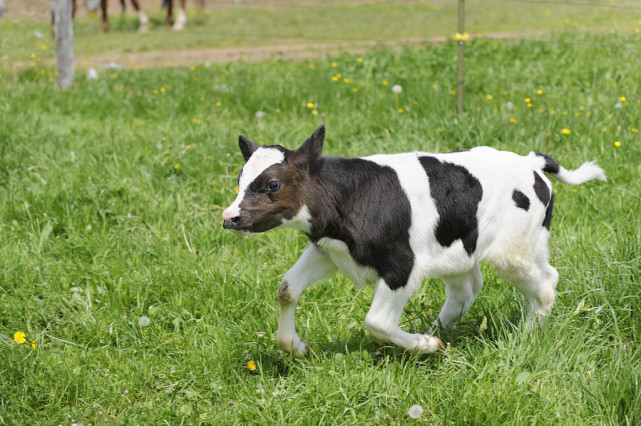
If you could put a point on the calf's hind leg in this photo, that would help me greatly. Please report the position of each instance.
(462, 290)
(382, 320)
(311, 267)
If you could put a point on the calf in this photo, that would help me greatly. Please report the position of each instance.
(395, 219)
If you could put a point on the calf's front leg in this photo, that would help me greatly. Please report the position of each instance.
(311, 267)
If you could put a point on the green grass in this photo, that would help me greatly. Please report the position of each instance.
(111, 202)
(341, 22)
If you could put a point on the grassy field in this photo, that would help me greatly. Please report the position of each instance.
(298, 22)
(111, 200)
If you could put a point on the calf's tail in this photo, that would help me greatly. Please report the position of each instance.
(586, 171)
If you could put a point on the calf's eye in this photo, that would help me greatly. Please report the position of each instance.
(273, 186)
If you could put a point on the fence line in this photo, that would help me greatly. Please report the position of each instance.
(573, 4)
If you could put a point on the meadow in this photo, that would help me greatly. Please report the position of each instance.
(110, 214)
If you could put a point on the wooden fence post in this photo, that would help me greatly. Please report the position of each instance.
(461, 43)
(63, 28)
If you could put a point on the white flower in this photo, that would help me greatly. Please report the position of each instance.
(415, 411)
(38, 34)
(509, 105)
(397, 89)
(144, 321)
(260, 114)
(92, 74)
(618, 105)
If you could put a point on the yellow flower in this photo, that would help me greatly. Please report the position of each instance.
(581, 108)
(236, 189)
(33, 344)
(623, 99)
(552, 111)
(195, 121)
(19, 337)
(32, 56)
(43, 47)
(360, 59)
(539, 92)
(566, 131)
(335, 78)
(156, 91)
(461, 37)
(529, 105)
(166, 152)
(452, 92)
(251, 365)
(385, 83)
(312, 66)
(314, 112)
(400, 110)
(334, 64)
(346, 80)
(162, 90)
(634, 130)
(218, 104)
(193, 68)
(528, 100)
(617, 144)
(489, 97)
(434, 86)
(578, 114)
(177, 166)
(355, 89)
(605, 130)
(339, 75)
(196, 78)
(513, 120)
(310, 105)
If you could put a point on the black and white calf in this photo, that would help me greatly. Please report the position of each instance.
(395, 219)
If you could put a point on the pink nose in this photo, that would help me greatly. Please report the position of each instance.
(229, 215)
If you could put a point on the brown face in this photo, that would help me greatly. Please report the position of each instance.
(268, 193)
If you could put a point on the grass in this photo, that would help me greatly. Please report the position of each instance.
(111, 201)
(302, 24)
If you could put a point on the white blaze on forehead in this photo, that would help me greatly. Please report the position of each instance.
(260, 160)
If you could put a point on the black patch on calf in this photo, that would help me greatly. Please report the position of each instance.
(541, 189)
(363, 205)
(548, 213)
(521, 200)
(457, 195)
(551, 166)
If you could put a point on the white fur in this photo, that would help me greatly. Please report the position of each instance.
(510, 237)
(260, 160)
(300, 222)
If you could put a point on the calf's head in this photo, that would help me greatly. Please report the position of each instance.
(273, 185)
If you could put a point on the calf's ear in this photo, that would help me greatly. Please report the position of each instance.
(313, 146)
(247, 147)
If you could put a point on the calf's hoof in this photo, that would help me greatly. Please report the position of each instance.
(429, 345)
(295, 347)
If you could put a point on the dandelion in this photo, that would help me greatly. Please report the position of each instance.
(489, 97)
(195, 121)
(452, 92)
(334, 64)
(33, 344)
(218, 104)
(617, 144)
(251, 365)
(513, 120)
(339, 75)
(19, 337)
(346, 80)
(434, 86)
(196, 79)
(397, 89)
(335, 78)
(529, 105)
(385, 83)
(509, 105)
(43, 47)
(634, 130)
(32, 56)
(400, 110)
(360, 59)
(539, 92)
(192, 68)
(314, 112)
(604, 130)
(577, 114)
(312, 66)
(623, 99)
(355, 89)
(92, 74)
(415, 411)
(566, 131)
(236, 189)
(528, 100)
(310, 105)
(162, 90)
(156, 91)
(177, 166)
(144, 321)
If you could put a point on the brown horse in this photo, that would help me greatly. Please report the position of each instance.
(178, 24)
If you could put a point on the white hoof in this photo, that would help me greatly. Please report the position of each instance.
(428, 345)
(294, 346)
(178, 26)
